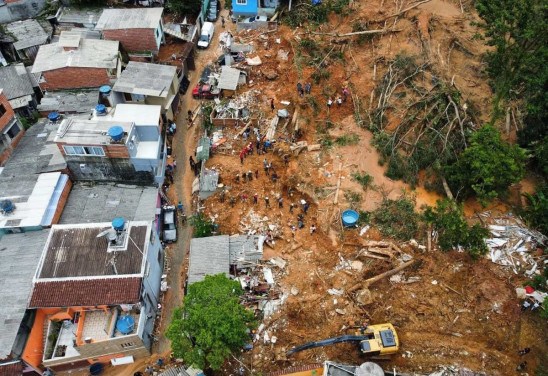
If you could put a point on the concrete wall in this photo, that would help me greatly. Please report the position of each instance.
(16, 10)
(135, 40)
(74, 78)
(105, 169)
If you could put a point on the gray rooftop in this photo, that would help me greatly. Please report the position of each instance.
(146, 79)
(15, 81)
(102, 202)
(69, 101)
(137, 18)
(20, 256)
(27, 33)
(78, 131)
(91, 53)
(229, 78)
(79, 16)
(208, 256)
(244, 249)
(35, 153)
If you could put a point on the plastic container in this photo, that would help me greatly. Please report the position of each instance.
(350, 218)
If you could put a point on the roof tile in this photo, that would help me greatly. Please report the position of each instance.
(87, 292)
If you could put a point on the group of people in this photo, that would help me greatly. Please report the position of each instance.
(303, 89)
(340, 99)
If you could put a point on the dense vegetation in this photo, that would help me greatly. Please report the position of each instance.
(211, 324)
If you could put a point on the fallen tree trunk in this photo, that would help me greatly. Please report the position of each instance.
(370, 281)
(364, 32)
(405, 10)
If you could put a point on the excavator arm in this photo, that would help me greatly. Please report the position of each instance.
(327, 342)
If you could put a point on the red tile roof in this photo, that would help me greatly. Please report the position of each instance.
(11, 369)
(87, 292)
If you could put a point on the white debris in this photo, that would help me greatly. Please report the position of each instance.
(269, 278)
(294, 291)
(364, 230)
(356, 265)
(279, 262)
(341, 311)
(335, 292)
(434, 282)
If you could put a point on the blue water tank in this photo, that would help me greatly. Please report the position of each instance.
(7, 206)
(116, 132)
(350, 218)
(125, 324)
(53, 116)
(101, 109)
(118, 223)
(105, 89)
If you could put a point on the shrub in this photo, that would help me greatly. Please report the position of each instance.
(397, 218)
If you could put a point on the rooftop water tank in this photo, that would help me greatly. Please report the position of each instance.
(7, 206)
(118, 223)
(350, 218)
(116, 132)
(105, 89)
(101, 109)
(53, 116)
(125, 324)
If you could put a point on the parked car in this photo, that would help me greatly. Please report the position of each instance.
(208, 91)
(169, 231)
(214, 9)
(206, 35)
(255, 18)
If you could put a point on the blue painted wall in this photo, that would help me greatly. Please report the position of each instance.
(248, 9)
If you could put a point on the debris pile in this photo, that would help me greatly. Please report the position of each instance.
(512, 244)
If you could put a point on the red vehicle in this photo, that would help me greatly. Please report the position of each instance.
(207, 92)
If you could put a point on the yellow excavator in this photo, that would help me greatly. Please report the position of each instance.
(373, 340)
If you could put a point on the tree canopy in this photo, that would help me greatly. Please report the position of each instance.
(184, 7)
(211, 323)
(447, 217)
(487, 167)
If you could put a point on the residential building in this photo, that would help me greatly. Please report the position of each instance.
(29, 35)
(67, 18)
(95, 294)
(20, 258)
(217, 254)
(18, 88)
(34, 181)
(246, 8)
(148, 84)
(13, 10)
(11, 130)
(139, 30)
(124, 145)
(75, 62)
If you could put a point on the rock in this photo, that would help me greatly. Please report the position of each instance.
(364, 297)
(270, 74)
(294, 291)
(341, 311)
(356, 265)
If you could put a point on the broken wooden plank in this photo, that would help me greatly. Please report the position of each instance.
(370, 281)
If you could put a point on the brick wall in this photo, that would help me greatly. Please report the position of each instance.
(74, 78)
(133, 40)
(62, 201)
(8, 115)
(5, 120)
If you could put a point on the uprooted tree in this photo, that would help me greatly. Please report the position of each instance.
(435, 122)
(487, 167)
(211, 324)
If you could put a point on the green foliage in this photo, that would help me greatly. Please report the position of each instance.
(313, 103)
(544, 315)
(206, 117)
(320, 74)
(203, 227)
(185, 7)
(211, 324)
(397, 218)
(228, 4)
(447, 218)
(540, 157)
(517, 65)
(364, 179)
(347, 139)
(487, 167)
(536, 212)
(364, 218)
(353, 198)
(306, 12)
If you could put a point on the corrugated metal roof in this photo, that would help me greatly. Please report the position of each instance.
(91, 53)
(27, 33)
(15, 81)
(208, 256)
(229, 78)
(146, 79)
(175, 371)
(20, 256)
(138, 18)
(77, 16)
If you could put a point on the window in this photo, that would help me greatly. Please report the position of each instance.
(127, 345)
(2, 110)
(13, 131)
(84, 150)
(241, 2)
